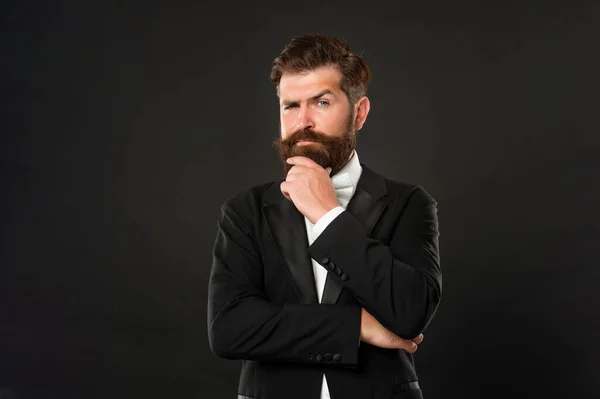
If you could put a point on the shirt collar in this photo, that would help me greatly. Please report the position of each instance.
(348, 175)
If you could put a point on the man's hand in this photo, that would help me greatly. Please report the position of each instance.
(372, 332)
(309, 187)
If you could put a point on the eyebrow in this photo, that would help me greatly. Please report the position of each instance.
(321, 94)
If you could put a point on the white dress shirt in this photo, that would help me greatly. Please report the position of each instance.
(344, 182)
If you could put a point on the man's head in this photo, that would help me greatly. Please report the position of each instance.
(321, 84)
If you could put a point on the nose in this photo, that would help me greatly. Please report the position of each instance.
(304, 119)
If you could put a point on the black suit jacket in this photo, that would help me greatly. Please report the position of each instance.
(381, 254)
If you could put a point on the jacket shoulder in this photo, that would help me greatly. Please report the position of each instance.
(400, 188)
(247, 201)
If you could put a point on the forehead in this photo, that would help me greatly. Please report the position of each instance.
(306, 84)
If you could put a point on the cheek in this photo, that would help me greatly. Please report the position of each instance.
(322, 119)
(328, 123)
(285, 125)
(289, 116)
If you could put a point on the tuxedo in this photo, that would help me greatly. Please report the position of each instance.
(380, 252)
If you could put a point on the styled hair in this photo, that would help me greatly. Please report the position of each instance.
(305, 53)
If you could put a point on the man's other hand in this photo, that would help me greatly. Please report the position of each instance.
(373, 333)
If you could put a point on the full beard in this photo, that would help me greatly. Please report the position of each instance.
(327, 151)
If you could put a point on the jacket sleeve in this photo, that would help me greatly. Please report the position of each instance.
(243, 324)
(399, 284)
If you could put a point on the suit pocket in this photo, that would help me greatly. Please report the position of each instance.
(407, 390)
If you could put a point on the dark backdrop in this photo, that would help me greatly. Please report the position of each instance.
(125, 126)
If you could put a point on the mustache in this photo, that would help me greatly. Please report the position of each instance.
(307, 134)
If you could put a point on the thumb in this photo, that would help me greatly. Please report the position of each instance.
(404, 344)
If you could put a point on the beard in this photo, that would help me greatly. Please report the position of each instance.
(327, 151)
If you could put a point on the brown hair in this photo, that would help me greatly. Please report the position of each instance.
(308, 52)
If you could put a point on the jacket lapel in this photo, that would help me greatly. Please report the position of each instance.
(288, 230)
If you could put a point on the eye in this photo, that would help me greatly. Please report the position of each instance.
(322, 103)
(290, 106)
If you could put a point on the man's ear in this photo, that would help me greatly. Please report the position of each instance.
(362, 107)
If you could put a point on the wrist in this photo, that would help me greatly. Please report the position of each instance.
(324, 211)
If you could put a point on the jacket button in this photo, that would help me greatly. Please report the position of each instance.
(337, 357)
(331, 266)
(344, 277)
(325, 260)
(328, 357)
(319, 358)
(338, 271)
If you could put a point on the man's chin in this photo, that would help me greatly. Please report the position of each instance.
(316, 158)
(308, 154)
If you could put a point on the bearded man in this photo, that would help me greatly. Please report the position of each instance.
(323, 283)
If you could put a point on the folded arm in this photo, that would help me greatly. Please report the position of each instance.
(399, 284)
(243, 324)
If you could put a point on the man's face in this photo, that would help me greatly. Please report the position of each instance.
(317, 119)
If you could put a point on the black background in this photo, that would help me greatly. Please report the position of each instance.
(126, 125)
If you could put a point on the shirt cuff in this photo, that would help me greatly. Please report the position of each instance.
(322, 223)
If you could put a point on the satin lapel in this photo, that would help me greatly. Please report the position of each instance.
(288, 230)
(367, 206)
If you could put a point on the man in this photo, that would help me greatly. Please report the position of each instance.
(323, 283)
